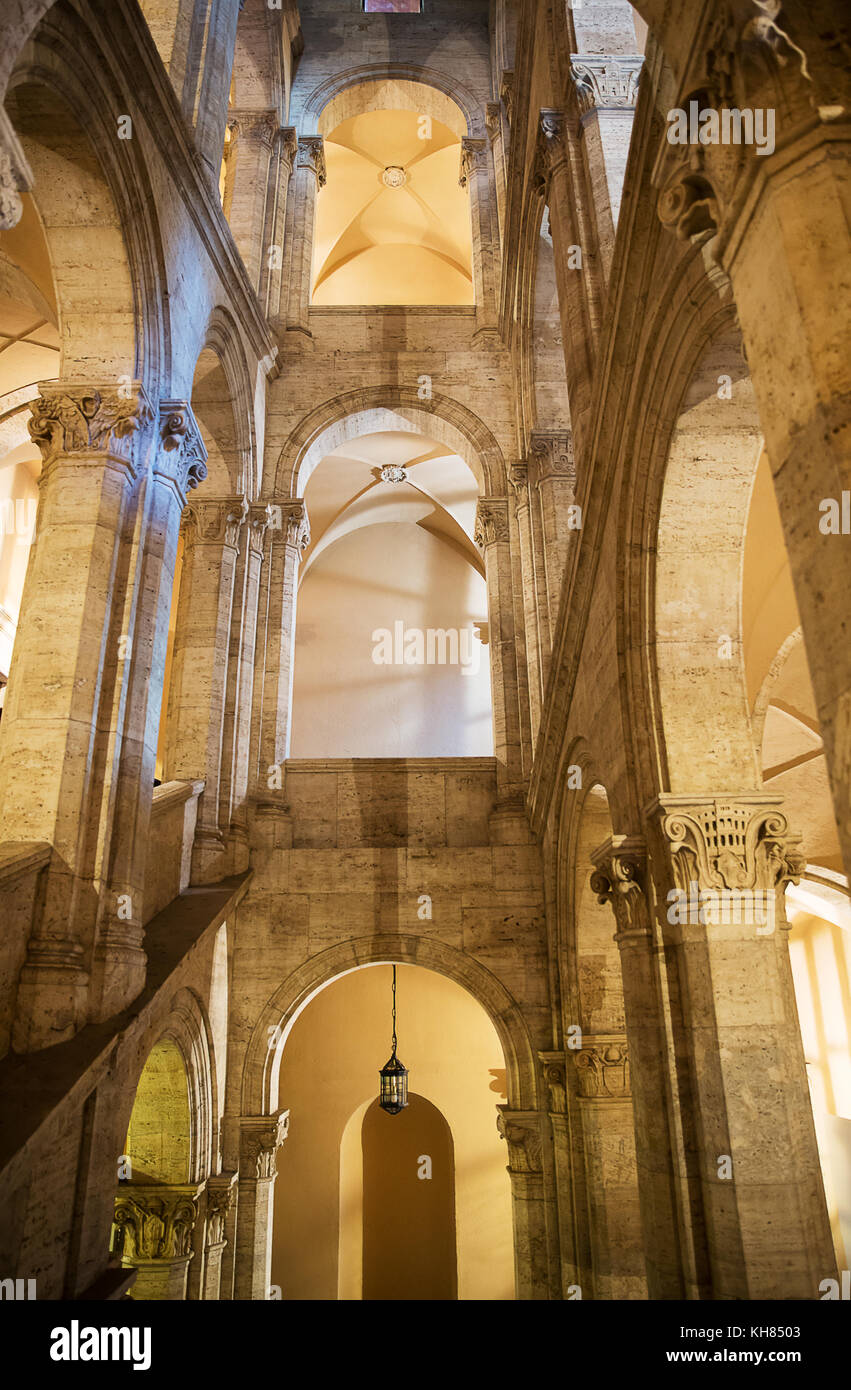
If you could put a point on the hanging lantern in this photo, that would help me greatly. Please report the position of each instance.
(394, 1077)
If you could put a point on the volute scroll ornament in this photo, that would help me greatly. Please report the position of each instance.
(75, 418)
(619, 879)
(155, 1222)
(602, 1067)
(260, 1138)
(730, 844)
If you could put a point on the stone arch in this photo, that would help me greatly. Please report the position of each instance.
(95, 201)
(262, 1061)
(230, 415)
(392, 407)
(397, 87)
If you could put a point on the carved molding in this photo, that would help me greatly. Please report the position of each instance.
(606, 82)
(554, 1070)
(221, 1195)
(729, 843)
(182, 442)
(473, 159)
(83, 418)
(155, 1222)
(259, 1139)
(552, 453)
(491, 521)
(311, 155)
(521, 1130)
(602, 1067)
(620, 866)
(215, 520)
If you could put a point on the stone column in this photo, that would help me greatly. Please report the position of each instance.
(667, 1219)
(567, 1189)
(492, 538)
(521, 1129)
(722, 869)
(215, 83)
(577, 265)
(607, 87)
(518, 477)
(178, 465)
(272, 260)
(260, 1137)
(608, 1137)
(777, 224)
(255, 136)
(475, 177)
(221, 1196)
(496, 135)
(240, 690)
(63, 676)
(308, 178)
(199, 667)
(287, 537)
(554, 476)
(153, 1226)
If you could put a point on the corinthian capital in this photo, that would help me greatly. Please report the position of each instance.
(552, 454)
(473, 156)
(83, 418)
(491, 521)
(215, 520)
(619, 880)
(311, 155)
(255, 125)
(729, 844)
(260, 1137)
(602, 1066)
(221, 1194)
(606, 82)
(155, 1222)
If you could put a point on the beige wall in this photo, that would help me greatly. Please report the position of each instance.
(330, 1070)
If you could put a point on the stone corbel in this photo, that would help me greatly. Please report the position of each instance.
(185, 461)
(259, 1139)
(553, 1066)
(619, 879)
(311, 155)
(551, 452)
(221, 1195)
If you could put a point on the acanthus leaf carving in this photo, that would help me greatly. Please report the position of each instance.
(619, 880)
(70, 418)
(155, 1222)
(491, 521)
(606, 81)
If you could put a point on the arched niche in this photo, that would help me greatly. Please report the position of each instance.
(158, 1144)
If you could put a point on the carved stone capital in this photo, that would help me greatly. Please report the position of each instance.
(491, 521)
(288, 145)
(606, 82)
(553, 1066)
(620, 866)
(602, 1067)
(311, 155)
(185, 461)
(221, 1195)
(215, 520)
(473, 159)
(518, 478)
(521, 1130)
(551, 452)
(155, 1221)
(737, 851)
(262, 126)
(289, 520)
(84, 418)
(260, 517)
(259, 1139)
(493, 119)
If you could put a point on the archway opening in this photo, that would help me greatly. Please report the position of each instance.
(327, 1229)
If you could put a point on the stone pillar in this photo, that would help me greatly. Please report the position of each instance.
(153, 1227)
(554, 476)
(566, 1195)
(777, 224)
(254, 134)
(607, 87)
(64, 675)
(199, 667)
(308, 178)
(272, 260)
(722, 869)
(475, 177)
(178, 465)
(666, 1217)
(260, 1137)
(287, 537)
(518, 477)
(221, 1196)
(496, 135)
(492, 538)
(577, 265)
(521, 1129)
(608, 1137)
